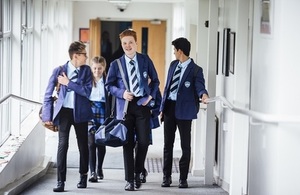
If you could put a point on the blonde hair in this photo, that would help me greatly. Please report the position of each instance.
(99, 60)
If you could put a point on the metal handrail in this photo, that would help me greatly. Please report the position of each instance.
(19, 98)
(268, 118)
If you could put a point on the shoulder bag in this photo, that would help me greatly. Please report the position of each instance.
(52, 127)
(113, 132)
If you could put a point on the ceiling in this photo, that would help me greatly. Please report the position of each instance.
(137, 1)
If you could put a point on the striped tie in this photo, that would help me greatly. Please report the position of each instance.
(74, 77)
(134, 80)
(175, 80)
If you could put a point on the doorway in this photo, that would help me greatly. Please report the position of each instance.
(110, 46)
(151, 40)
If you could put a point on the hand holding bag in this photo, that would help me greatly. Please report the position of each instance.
(113, 132)
(51, 127)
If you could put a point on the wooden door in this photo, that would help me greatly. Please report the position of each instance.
(95, 38)
(154, 35)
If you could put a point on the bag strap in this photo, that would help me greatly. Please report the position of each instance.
(57, 88)
(126, 86)
(113, 103)
(123, 75)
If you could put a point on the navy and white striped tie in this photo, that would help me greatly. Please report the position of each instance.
(175, 80)
(134, 79)
(74, 77)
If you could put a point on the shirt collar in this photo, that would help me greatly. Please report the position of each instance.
(127, 59)
(71, 67)
(185, 63)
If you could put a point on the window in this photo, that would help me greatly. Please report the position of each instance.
(5, 66)
(27, 49)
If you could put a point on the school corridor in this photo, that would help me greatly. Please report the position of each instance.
(113, 182)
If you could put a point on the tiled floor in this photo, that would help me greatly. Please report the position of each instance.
(113, 182)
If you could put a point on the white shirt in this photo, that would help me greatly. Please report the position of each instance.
(127, 60)
(69, 98)
(184, 65)
(98, 93)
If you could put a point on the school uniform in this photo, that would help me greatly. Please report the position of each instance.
(71, 108)
(138, 117)
(179, 109)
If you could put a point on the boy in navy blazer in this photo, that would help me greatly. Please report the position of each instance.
(143, 82)
(72, 108)
(185, 87)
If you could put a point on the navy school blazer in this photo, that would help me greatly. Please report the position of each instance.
(114, 83)
(82, 87)
(191, 88)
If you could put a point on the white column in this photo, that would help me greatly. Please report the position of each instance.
(198, 140)
(211, 86)
(199, 125)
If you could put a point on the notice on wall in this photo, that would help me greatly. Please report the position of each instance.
(265, 20)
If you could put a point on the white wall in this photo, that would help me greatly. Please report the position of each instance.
(225, 87)
(274, 155)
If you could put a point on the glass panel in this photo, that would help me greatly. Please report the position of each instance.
(26, 57)
(29, 13)
(23, 13)
(5, 68)
(144, 40)
(1, 11)
(6, 15)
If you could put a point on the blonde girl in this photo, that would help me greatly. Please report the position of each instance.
(99, 102)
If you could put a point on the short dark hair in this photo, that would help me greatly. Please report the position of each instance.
(183, 44)
(76, 47)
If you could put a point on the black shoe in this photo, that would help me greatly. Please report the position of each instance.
(183, 183)
(129, 186)
(82, 182)
(93, 177)
(60, 187)
(144, 175)
(100, 174)
(166, 181)
(137, 180)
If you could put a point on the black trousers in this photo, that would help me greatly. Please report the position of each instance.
(96, 154)
(138, 125)
(81, 129)
(170, 126)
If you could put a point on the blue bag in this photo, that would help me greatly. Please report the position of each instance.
(112, 133)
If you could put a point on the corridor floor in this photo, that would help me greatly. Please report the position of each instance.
(113, 182)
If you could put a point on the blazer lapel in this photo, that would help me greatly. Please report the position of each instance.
(172, 70)
(185, 74)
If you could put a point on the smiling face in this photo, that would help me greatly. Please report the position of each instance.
(129, 46)
(97, 69)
